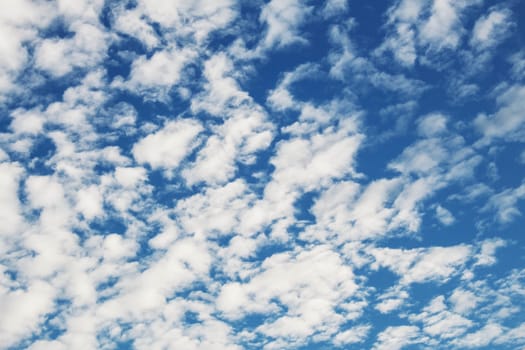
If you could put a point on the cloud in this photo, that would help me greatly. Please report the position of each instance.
(84, 50)
(482, 337)
(351, 336)
(335, 7)
(443, 28)
(89, 202)
(23, 310)
(197, 19)
(270, 175)
(464, 301)
(391, 300)
(505, 204)
(167, 147)
(158, 72)
(215, 212)
(283, 20)
(518, 64)
(421, 31)
(507, 122)
(11, 215)
(432, 125)
(440, 322)
(281, 98)
(352, 214)
(348, 65)
(402, 22)
(396, 338)
(422, 265)
(239, 139)
(297, 284)
(491, 29)
(488, 250)
(221, 90)
(20, 24)
(444, 216)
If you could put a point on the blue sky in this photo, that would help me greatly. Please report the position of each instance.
(281, 174)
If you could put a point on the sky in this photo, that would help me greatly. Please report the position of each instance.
(249, 174)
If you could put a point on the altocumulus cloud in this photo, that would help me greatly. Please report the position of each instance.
(280, 174)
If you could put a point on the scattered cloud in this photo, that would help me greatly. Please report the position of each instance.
(261, 175)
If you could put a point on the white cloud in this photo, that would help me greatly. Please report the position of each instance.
(23, 310)
(188, 18)
(281, 98)
(3, 156)
(489, 30)
(308, 283)
(444, 216)
(11, 213)
(115, 247)
(285, 189)
(463, 301)
(515, 335)
(167, 147)
(396, 338)
(132, 22)
(401, 41)
(129, 177)
(310, 162)
(347, 65)
(391, 300)
(509, 120)
(351, 215)
(45, 191)
(19, 24)
(422, 265)
(389, 305)
(486, 256)
(406, 10)
(481, 338)
(143, 294)
(335, 8)
(442, 28)
(505, 204)
(517, 60)
(423, 157)
(246, 132)
(216, 211)
(432, 125)
(30, 122)
(221, 91)
(84, 50)
(438, 321)
(418, 30)
(46, 344)
(158, 73)
(89, 202)
(283, 19)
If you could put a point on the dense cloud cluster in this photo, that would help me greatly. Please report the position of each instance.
(284, 174)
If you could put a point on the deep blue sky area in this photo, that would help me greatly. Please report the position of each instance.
(284, 174)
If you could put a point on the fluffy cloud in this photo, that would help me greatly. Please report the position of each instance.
(283, 19)
(261, 175)
(490, 29)
(421, 265)
(300, 284)
(167, 147)
(10, 175)
(397, 337)
(507, 122)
